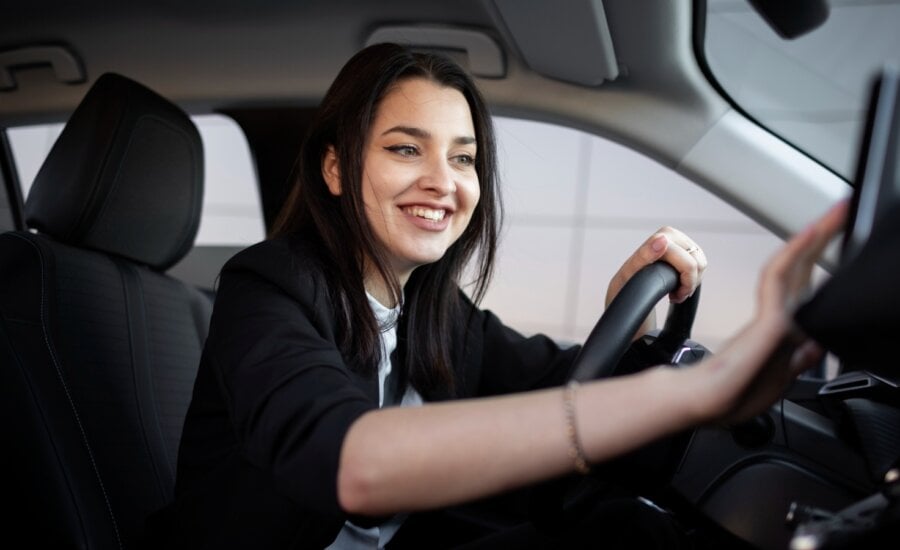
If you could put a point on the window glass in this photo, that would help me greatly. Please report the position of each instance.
(579, 205)
(232, 211)
(30, 145)
(812, 90)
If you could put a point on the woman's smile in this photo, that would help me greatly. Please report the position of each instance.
(432, 214)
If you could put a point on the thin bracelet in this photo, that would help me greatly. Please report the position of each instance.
(576, 451)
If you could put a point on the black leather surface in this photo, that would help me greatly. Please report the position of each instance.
(124, 177)
(98, 349)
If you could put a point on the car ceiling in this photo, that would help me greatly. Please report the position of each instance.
(210, 56)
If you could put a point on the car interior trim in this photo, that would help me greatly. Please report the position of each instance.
(65, 64)
(485, 58)
(796, 188)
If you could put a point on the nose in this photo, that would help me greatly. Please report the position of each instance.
(438, 177)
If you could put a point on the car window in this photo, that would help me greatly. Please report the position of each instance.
(232, 211)
(812, 90)
(578, 205)
(30, 145)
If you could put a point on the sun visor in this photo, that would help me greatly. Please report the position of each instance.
(856, 313)
(568, 41)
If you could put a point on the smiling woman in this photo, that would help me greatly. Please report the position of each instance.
(354, 304)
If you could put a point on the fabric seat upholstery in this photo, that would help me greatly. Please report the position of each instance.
(98, 347)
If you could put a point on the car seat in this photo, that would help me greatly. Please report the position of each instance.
(98, 347)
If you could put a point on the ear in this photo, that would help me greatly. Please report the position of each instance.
(331, 171)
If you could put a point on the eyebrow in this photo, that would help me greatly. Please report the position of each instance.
(423, 134)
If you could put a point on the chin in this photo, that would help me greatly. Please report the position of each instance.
(425, 258)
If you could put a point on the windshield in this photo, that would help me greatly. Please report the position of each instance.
(811, 91)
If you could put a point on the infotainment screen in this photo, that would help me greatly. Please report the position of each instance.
(876, 186)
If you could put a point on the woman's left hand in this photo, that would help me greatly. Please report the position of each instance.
(675, 248)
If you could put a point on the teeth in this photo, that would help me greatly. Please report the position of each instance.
(427, 213)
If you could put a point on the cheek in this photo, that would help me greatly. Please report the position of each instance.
(376, 189)
(473, 195)
(471, 199)
(386, 185)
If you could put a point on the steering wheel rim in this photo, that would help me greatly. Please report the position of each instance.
(611, 336)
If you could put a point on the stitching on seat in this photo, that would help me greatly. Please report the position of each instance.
(65, 386)
(137, 314)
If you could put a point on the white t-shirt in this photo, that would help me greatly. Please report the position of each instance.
(352, 537)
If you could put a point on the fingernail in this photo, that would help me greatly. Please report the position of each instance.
(658, 244)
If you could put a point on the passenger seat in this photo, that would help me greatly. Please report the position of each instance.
(98, 347)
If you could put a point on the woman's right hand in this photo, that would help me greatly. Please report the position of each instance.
(756, 366)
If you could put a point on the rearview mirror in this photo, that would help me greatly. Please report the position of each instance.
(792, 18)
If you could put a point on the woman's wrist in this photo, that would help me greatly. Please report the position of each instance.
(677, 391)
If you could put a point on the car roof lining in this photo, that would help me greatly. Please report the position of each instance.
(172, 66)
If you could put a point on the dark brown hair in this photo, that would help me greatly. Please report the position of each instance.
(431, 299)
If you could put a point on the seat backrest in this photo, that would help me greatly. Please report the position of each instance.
(98, 347)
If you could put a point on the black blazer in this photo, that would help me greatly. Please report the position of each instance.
(273, 400)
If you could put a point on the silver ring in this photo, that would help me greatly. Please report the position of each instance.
(692, 249)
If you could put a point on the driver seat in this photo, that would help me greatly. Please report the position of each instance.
(98, 347)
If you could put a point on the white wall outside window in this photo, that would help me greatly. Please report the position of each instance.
(577, 207)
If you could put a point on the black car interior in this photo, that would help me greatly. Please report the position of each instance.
(98, 347)
(826, 459)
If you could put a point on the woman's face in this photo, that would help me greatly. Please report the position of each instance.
(419, 181)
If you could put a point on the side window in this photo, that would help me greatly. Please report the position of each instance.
(30, 145)
(232, 210)
(578, 205)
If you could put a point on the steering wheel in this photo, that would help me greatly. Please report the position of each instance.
(612, 334)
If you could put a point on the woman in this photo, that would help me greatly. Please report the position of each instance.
(354, 303)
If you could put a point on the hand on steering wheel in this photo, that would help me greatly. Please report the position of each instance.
(673, 247)
(611, 335)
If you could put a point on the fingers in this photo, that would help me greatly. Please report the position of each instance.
(686, 257)
(755, 367)
(805, 356)
(808, 245)
(788, 272)
(650, 251)
(675, 248)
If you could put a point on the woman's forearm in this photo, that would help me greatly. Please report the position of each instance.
(404, 459)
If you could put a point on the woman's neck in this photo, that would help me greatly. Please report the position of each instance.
(379, 289)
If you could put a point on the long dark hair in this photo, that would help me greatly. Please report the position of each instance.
(431, 299)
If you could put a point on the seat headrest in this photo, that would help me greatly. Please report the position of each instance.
(124, 177)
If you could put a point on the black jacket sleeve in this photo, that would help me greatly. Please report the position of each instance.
(289, 394)
(274, 398)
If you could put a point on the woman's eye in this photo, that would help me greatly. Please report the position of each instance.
(403, 150)
(465, 160)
